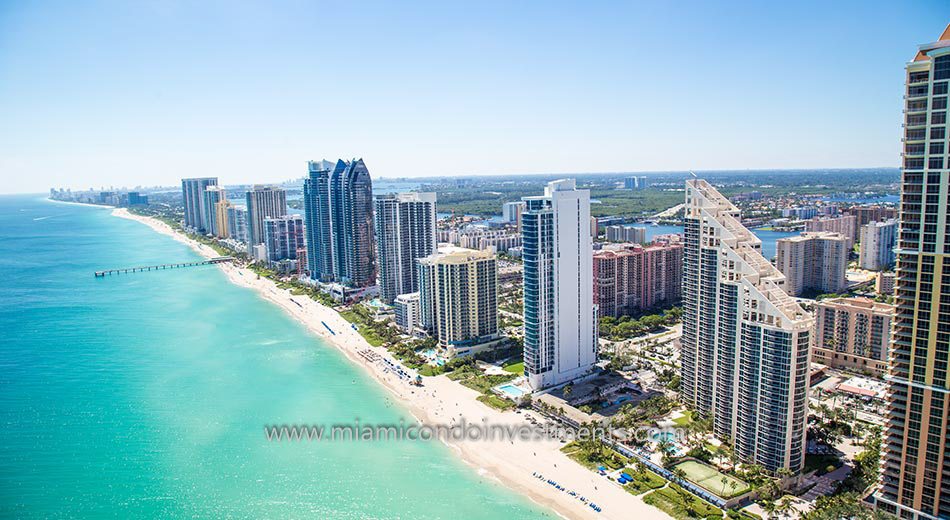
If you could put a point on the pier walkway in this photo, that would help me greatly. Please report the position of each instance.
(127, 270)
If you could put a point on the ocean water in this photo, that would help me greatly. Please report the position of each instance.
(768, 237)
(145, 395)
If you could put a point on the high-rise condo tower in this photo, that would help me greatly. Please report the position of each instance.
(192, 197)
(745, 344)
(339, 211)
(916, 480)
(263, 202)
(405, 232)
(560, 324)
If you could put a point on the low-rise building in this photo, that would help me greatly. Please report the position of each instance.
(853, 334)
(407, 312)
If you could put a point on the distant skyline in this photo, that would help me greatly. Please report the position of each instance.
(126, 94)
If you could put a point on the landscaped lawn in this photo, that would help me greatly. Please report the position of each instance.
(685, 419)
(496, 402)
(710, 479)
(364, 330)
(643, 481)
(514, 368)
(670, 502)
(604, 456)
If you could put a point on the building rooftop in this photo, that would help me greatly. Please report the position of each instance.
(810, 235)
(860, 303)
(448, 253)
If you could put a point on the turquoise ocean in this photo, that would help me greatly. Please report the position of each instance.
(146, 395)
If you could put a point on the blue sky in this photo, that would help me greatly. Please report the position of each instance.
(144, 93)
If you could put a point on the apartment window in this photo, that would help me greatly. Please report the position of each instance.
(936, 163)
(917, 77)
(938, 133)
(939, 103)
(936, 148)
(941, 68)
(940, 88)
(938, 118)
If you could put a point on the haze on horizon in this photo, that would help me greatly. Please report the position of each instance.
(109, 93)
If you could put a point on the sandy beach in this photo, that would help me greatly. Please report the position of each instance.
(443, 401)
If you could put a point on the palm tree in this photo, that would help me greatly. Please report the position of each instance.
(733, 484)
(786, 506)
(769, 507)
(724, 481)
(679, 473)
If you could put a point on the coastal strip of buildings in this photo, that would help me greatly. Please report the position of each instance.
(746, 344)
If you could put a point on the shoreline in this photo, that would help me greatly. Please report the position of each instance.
(442, 401)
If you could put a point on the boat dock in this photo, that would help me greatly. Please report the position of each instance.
(127, 270)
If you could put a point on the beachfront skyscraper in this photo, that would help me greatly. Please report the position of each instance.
(405, 232)
(458, 299)
(210, 198)
(745, 343)
(283, 237)
(316, 200)
(263, 202)
(192, 196)
(221, 226)
(916, 480)
(339, 208)
(560, 318)
(237, 223)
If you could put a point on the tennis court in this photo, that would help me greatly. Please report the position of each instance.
(710, 479)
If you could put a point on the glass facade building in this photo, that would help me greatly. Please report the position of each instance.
(339, 211)
(916, 472)
(405, 231)
(192, 198)
(745, 343)
(560, 318)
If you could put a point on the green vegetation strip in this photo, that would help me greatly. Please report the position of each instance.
(681, 504)
(712, 480)
(643, 480)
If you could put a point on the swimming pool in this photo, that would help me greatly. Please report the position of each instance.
(511, 390)
(432, 355)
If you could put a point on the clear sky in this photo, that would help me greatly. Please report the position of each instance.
(129, 93)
